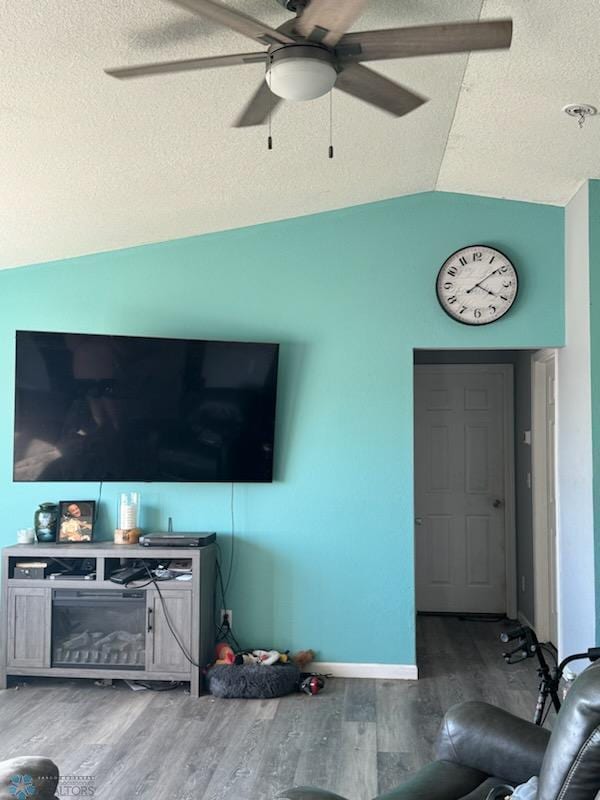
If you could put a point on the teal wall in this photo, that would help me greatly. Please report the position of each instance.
(324, 556)
(594, 229)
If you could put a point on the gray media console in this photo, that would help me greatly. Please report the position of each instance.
(87, 626)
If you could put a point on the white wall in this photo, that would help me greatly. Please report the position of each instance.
(524, 509)
(575, 494)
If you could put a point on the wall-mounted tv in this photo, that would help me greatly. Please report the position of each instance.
(127, 408)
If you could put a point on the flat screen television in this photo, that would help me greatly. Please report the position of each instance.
(126, 408)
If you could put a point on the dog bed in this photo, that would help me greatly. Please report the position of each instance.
(252, 680)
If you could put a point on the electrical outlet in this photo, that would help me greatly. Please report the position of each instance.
(229, 613)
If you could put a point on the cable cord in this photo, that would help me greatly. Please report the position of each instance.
(223, 631)
(501, 791)
(97, 513)
(225, 634)
(331, 124)
(231, 554)
(176, 636)
(220, 581)
(159, 686)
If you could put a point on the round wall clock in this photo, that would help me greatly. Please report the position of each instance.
(477, 285)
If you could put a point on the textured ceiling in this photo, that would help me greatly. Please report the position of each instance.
(510, 137)
(89, 163)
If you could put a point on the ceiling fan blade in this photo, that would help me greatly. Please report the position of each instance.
(328, 20)
(263, 103)
(370, 86)
(186, 64)
(425, 40)
(236, 20)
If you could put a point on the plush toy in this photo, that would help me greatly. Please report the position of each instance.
(311, 683)
(224, 653)
(267, 657)
(245, 658)
(303, 657)
(264, 657)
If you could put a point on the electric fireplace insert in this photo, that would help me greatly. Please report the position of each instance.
(99, 629)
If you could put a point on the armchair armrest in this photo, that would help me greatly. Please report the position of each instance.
(440, 780)
(484, 737)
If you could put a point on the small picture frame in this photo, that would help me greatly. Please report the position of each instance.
(76, 521)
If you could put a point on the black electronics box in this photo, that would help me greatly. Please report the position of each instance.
(172, 539)
(32, 570)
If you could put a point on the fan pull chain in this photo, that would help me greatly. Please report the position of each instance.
(270, 139)
(331, 124)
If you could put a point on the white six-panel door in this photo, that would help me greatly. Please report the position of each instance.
(460, 492)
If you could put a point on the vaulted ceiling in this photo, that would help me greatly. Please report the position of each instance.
(88, 163)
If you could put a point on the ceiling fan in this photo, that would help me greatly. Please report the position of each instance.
(309, 55)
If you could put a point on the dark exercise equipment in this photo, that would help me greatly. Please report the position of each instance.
(529, 647)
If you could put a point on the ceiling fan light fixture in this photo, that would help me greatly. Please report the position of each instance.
(301, 72)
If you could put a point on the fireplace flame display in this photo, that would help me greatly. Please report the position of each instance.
(116, 649)
(98, 629)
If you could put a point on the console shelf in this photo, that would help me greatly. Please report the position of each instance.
(87, 626)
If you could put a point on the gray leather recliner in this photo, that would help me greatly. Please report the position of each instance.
(481, 746)
(34, 777)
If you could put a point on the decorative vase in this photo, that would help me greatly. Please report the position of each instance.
(128, 509)
(45, 522)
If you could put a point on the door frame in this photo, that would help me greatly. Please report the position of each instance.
(510, 533)
(539, 490)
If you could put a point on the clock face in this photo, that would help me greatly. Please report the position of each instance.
(477, 285)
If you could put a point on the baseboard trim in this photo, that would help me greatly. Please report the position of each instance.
(340, 669)
(524, 621)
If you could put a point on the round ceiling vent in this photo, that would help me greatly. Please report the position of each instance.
(580, 110)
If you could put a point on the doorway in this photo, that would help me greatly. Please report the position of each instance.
(465, 547)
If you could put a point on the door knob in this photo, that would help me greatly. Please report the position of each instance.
(497, 503)
(418, 520)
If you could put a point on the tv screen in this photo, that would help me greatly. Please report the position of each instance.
(125, 408)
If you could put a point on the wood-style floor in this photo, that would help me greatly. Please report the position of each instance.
(357, 738)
